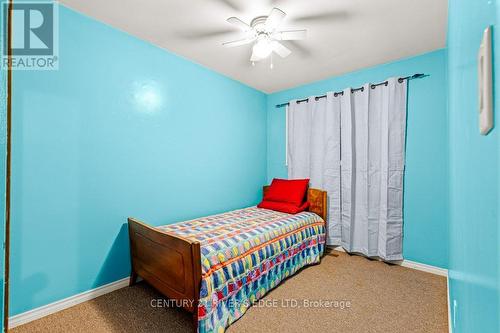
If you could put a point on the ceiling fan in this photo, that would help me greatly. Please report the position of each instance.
(264, 33)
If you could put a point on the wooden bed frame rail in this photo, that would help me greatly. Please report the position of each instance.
(172, 264)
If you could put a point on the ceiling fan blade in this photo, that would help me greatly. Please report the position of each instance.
(239, 23)
(239, 42)
(290, 35)
(274, 19)
(329, 17)
(231, 4)
(203, 34)
(281, 49)
(299, 48)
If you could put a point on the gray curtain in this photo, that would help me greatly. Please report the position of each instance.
(353, 146)
(314, 152)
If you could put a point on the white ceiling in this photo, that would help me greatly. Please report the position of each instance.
(343, 35)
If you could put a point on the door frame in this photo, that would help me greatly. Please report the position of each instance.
(8, 169)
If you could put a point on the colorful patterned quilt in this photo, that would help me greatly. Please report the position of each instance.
(245, 253)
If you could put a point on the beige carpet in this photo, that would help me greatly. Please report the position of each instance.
(383, 298)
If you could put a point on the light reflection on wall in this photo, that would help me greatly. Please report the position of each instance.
(147, 96)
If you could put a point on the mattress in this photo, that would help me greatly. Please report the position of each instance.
(244, 254)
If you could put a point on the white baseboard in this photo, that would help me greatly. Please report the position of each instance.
(51, 308)
(425, 268)
(415, 265)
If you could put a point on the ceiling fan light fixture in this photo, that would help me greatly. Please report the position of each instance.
(263, 47)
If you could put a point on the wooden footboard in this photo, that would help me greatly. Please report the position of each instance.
(169, 263)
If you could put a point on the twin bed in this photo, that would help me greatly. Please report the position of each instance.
(215, 267)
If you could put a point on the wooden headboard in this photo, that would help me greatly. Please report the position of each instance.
(317, 201)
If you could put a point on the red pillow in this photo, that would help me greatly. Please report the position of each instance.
(283, 206)
(290, 191)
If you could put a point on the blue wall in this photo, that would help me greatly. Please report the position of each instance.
(475, 181)
(426, 180)
(121, 129)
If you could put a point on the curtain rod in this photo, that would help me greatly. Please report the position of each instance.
(400, 80)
